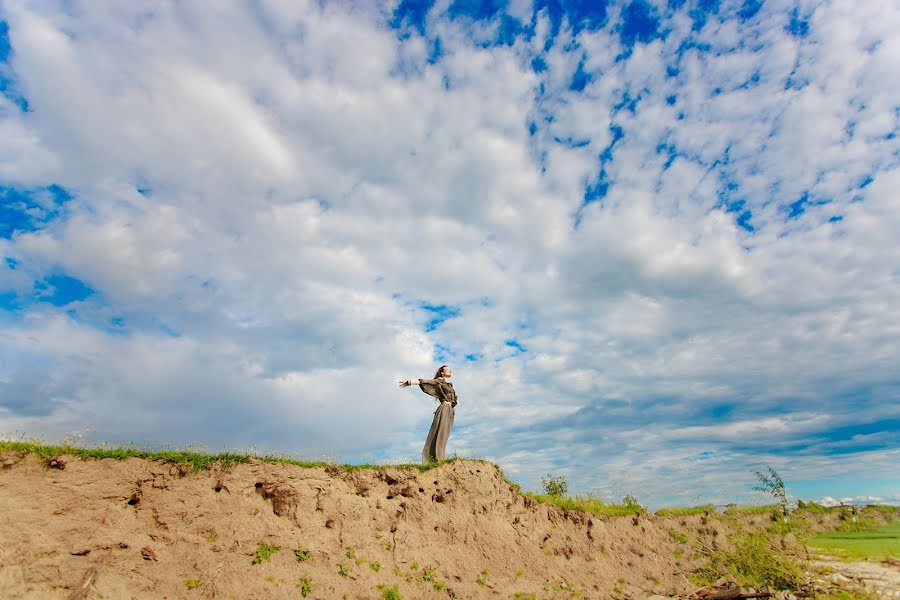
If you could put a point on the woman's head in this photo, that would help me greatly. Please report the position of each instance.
(444, 371)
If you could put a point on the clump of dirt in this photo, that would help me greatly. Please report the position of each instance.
(144, 529)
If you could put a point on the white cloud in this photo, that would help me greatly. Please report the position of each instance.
(309, 179)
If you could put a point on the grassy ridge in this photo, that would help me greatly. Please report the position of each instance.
(589, 504)
(198, 461)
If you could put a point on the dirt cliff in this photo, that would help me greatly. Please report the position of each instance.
(139, 528)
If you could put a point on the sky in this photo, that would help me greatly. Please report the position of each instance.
(656, 241)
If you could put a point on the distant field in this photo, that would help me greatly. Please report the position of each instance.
(884, 541)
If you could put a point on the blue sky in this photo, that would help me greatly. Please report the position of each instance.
(657, 241)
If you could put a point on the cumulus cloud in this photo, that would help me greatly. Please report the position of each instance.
(657, 244)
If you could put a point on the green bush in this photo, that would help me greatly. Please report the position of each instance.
(556, 486)
(752, 562)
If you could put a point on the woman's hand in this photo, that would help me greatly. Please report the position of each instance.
(405, 383)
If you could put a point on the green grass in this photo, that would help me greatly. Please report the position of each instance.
(198, 461)
(753, 561)
(880, 542)
(589, 504)
(264, 553)
(686, 511)
(765, 509)
(305, 586)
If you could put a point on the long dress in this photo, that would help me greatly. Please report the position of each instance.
(436, 442)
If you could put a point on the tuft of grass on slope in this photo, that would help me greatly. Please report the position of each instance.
(686, 511)
(765, 509)
(198, 461)
(872, 543)
(589, 504)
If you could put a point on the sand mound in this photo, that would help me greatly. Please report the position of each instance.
(138, 528)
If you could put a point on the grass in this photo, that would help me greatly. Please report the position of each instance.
(686, 511)
(264, 553)
(765, 509)
(305, 586)
(390, 593)
(857, 545)
(193, 584)
(752, 562)
(198, 461)
(589, 504)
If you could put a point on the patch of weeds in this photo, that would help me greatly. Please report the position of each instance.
(524, 596)
(390, 593)
(684, 511)
(678, 554)
(343, 570)
(591, 504)
(556, 486)
(678, 536)
(264, 553)
(193, 584)
(387, 545)
(482, 578)
(438, 585)
(351, 553)
(414, 566)
(752, 562)
(211, 536)
(764, 509)
(302, 555)
(519, 573)
(305, 587)
(619, 590)
(273, 579)
(375, 566)
(427, 575)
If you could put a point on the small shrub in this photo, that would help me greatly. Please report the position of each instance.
(524, 596)
(305, 587)
(752, 562)
(482, 578)
(343, 570)
(302, 555)
(557, 486)
(773, 485)
(192, 584)
(264, 553)
(390, 593)
(375, 566)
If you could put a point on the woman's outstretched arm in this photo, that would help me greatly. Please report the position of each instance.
(409, 382)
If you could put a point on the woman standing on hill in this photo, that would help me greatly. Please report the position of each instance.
(441, 388)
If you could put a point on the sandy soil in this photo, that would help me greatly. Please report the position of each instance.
(143, 529)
